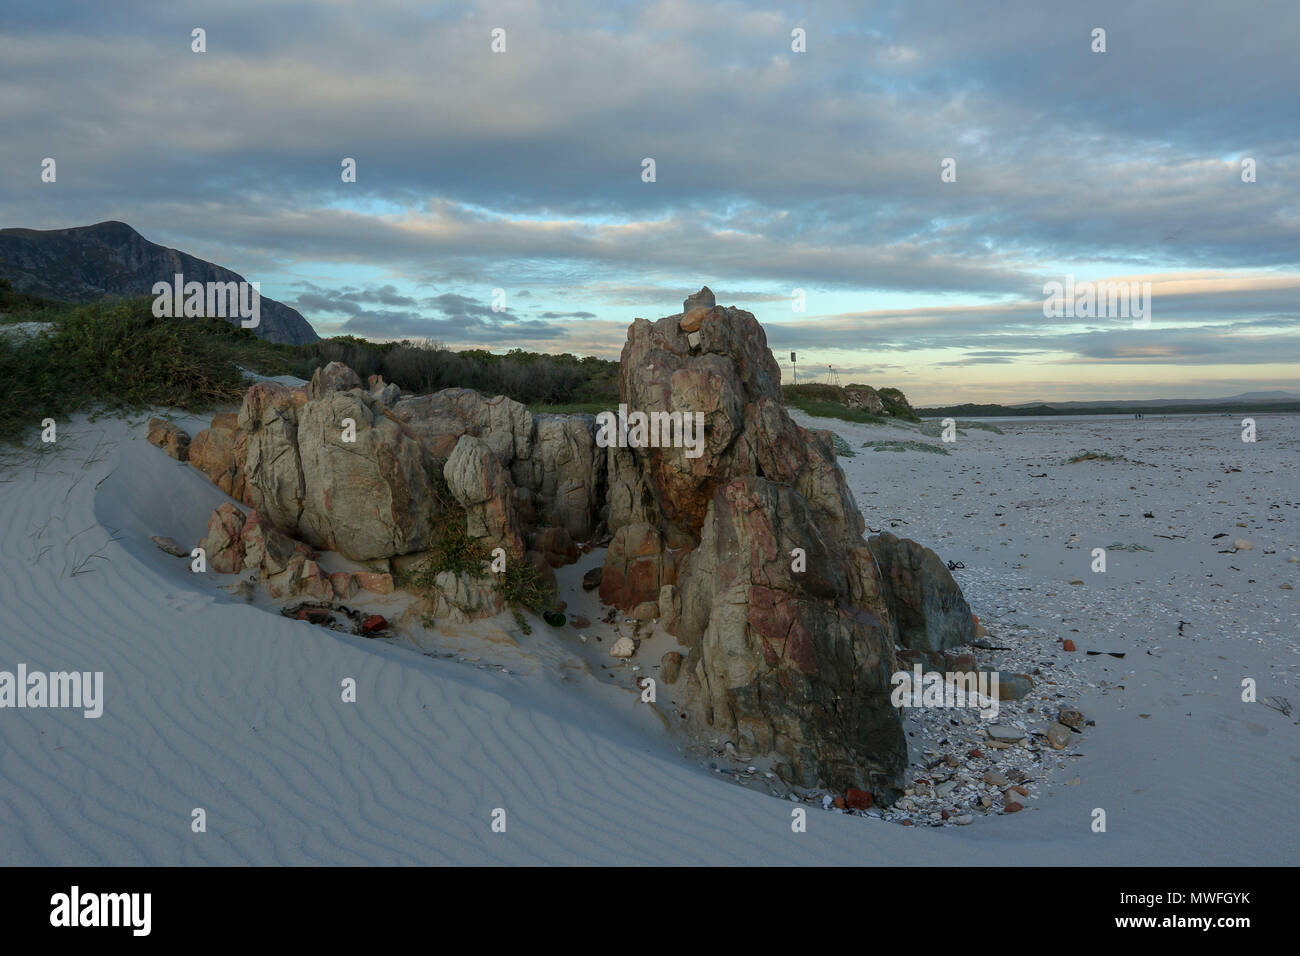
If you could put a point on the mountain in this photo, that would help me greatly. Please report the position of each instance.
(112, 260)
(1244, 397)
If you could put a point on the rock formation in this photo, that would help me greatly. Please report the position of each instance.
(742, 539)
(755, 547)
(923, 597)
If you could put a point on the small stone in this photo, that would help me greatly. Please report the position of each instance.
(945, 788)
(1293, 560)
(374, 624)
(963, 820)
(1073, 719)
(1013, 807)
(1076, 580)
(995, 778)
(1010, 734)
(858, 799)
(591, 580)
(170, 546)
(579, 622)
(624, 647)
(646, 611)
(1022, 791)
(1068, 645)
(1014, 686)
(976, 754)
(1241, 544)
(1058, 735)
(692, 320)
(838, 803)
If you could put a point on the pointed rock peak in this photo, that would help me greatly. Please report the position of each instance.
(702, 299)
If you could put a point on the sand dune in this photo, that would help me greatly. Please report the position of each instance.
(215, 703)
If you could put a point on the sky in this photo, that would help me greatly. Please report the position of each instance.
(782, 179)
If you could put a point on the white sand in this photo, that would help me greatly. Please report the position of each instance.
(214, 703)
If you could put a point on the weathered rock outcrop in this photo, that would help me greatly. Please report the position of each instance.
(924, 598)
(360, 469)
(754, 544)
(170, 437)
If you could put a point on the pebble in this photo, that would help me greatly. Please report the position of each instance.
(1071, 718)
(1001, 732)
(623, 647)
(1058, 735)
(963, 820)
(1241, 544)
(995, 778)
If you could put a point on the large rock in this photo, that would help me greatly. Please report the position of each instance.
(273, 477)
(483, 488)
(788, 656)
(923, 597)
(224, 543)
(565, 470)
(371, 497)
(334, 377)
(219, 453)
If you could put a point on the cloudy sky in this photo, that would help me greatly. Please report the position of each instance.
(775, 171)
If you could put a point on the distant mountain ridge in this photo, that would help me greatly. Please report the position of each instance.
(1246, 397)
(112, 260)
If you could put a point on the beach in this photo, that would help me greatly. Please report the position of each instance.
(211, 702)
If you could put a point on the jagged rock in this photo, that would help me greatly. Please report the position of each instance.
(334, 377)
(219, 453)
(624, 647)
(795, 664)
(482, 486)
(461, 598)
(701, 300)
(924, 598)
(565, 469)
(223, 543)
(170, 438)
(273, 475)
(636, 566)
(555, 545)
(368, 498)
(439, 420)
(266, 547)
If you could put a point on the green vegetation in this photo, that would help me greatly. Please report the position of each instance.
(842, 448)
(522, 585)
(905, 446)
(832, 401)
(1084, 455)
(115, 355)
